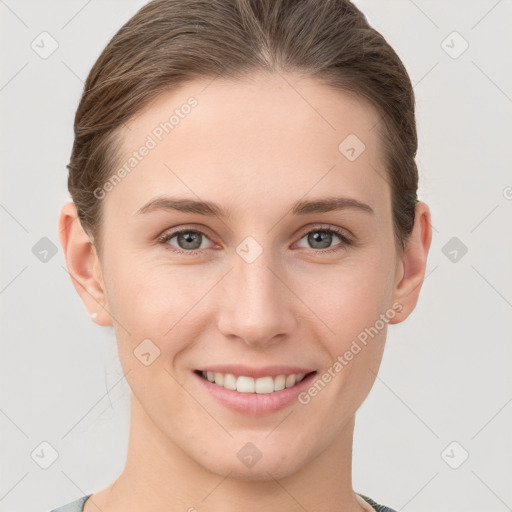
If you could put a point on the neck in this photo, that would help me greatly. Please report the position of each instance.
(160, 476)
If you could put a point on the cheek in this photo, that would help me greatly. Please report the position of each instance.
(345, 298)
(155, 301)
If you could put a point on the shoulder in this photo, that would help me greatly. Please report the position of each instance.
(375, 505)
(78, 505)
(74, 506)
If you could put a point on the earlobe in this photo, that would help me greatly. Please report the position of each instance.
(413, 264)
(83, 265)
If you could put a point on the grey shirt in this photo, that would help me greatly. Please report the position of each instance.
(78, 505)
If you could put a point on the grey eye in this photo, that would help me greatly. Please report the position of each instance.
(187, 240)
(321, 238)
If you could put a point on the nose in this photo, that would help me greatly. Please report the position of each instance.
(255, 303)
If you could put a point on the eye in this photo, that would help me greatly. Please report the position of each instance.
(188, 241)
(191, 241)
(321, 238)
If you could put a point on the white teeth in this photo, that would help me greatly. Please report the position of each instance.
(229, 381)
(279, 382)
(244, 384)
(290, 381)
(264, 385)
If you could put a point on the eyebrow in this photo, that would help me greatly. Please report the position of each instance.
(207, 208)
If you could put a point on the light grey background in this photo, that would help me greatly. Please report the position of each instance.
(446, 371)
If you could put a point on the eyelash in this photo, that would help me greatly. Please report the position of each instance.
(346, 241)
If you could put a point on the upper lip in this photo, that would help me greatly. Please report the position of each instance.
(265, 371)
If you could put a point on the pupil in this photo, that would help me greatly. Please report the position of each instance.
(320, 236)
(189, 238)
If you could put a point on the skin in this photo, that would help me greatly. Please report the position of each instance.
(254, 146)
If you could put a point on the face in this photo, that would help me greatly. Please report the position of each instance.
(269, 280)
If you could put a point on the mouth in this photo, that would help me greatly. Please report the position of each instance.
(246, 384)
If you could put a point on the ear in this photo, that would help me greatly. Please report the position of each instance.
(83, 265)
(412, 264)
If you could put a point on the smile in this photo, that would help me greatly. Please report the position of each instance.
(246, 384)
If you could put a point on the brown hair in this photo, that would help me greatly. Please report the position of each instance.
(169, 42)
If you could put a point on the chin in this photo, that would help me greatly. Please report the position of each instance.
(262, 471)
(248, 463)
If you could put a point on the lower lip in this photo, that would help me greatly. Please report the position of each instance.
(255, 404)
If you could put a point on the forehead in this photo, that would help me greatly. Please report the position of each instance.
(260, 139)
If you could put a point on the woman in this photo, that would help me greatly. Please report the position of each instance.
(245, 216)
